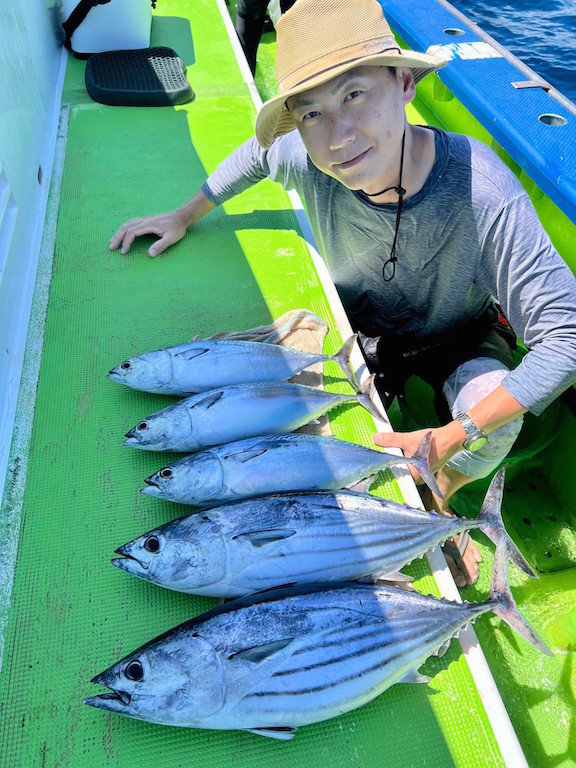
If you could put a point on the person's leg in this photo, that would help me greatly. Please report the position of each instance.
(470, 383)
(250, 17)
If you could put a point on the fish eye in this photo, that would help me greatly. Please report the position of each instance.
(143, 425)
(125, 365)
(152, 544)
(166, 472)
(134, 671)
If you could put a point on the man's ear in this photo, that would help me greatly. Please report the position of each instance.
(408, 85)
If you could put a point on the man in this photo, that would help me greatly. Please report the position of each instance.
(250, 18)
(419, 228)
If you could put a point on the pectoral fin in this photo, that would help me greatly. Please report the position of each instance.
(190, 354)
(209, 401)
(258, 653)
(262, 538)
(243, 456)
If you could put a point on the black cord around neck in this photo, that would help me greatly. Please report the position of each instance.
(399, 189)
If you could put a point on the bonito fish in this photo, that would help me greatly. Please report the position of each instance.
(244, 410)
(284, 658)
(277, 464)
(203, 365)
(256, 544)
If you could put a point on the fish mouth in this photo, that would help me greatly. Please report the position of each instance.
(149, 481)
(114, 376)
(115, 701)
(123, 562)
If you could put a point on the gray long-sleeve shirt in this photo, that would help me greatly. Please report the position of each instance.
(469, 234)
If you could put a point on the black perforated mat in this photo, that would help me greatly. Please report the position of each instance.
(147, 77)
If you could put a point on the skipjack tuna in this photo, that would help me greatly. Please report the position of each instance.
(200, 366)
(283, 658)
(256, 544)
(278, 464)
(240, 411)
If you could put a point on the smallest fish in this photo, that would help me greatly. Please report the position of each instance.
(200, 366)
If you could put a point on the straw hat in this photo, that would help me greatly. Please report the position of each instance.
(318, 40)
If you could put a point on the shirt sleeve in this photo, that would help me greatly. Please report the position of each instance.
(250, 163)
(537, 292)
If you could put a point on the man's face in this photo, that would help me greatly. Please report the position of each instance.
(352, 125)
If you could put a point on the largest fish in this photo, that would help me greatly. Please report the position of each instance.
(232, 413)
(203, 365)
(284, 658)
(277, 464)
(256, 544)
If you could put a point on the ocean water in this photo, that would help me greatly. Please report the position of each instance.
(540, 32)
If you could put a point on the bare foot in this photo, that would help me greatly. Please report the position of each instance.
(463, 564)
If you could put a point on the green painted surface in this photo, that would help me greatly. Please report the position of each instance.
(72, 613)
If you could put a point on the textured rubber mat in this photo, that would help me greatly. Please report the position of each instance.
(72, 613)
(149, 77)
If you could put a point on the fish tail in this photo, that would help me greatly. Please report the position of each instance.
(502, 603)
(343, 359)
(420, 460)
(490, 522)
(366, 399)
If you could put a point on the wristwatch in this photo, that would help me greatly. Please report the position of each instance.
(475, 438)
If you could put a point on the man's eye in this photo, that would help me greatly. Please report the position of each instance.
(352, 95)
(310, 116)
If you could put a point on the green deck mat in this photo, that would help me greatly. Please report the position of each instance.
(72, 614)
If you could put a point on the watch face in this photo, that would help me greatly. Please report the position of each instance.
(476, 445)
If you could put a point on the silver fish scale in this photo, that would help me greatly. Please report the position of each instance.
(350, 644)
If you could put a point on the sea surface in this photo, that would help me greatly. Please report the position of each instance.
(540, 32)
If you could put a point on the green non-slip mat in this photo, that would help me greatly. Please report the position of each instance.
(72, 614)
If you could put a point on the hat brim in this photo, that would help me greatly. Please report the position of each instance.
(275, 120)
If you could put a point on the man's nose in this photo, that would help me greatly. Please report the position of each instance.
(343, 132)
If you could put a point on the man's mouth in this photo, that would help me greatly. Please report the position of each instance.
(353, 161)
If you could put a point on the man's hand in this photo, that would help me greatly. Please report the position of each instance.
(170, 227)
(446, 441)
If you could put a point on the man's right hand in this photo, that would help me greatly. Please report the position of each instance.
(170, 227)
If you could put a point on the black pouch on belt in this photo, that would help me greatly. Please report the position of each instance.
(394, 358)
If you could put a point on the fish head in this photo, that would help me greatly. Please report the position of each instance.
(183, 554)
(192, 480)
(160, 431)
(176, 679)
(150, 372)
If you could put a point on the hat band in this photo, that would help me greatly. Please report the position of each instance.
(334, 59)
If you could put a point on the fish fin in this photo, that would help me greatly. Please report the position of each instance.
(283, 732)
(343, 359)
(366, 399)
(443, 648)
(502, 603)
(194, 338)
(414, 677)
(258, 653)
(244, 456)
(209, 400)
(190, 354)
(391, 576)
(361, 486)
(490, 522)
(263, 538)
(420, 460)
